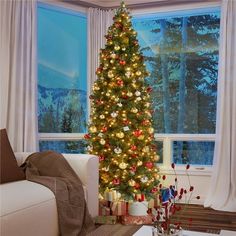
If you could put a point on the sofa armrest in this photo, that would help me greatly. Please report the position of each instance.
(86, 167)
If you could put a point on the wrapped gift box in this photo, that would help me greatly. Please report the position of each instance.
(119, 208)
(109, 220)
(136, 220)
(104, 209)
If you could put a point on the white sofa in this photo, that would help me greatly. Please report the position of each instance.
(29, 209)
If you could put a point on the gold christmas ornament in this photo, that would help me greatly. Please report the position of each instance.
(139, 163)
(150, 130)
(137, 93)
(112, 61)
(134, 110)
(129, 94)
(132, 182)
(123, 49)
(93, 129)
(120, 135)
(141, 137)
(102, 117)
(117, 47)
(138, 73)
(146, 149)
(110, 74)
(113, 55)
(123, 165)
(102, 141)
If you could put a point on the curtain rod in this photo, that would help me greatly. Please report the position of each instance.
(139, 5)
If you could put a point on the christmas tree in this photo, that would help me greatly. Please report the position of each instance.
(120, 129)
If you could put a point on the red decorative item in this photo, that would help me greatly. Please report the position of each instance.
(126, 122)
(116, 181)
(104, 129)
(101, 158)
(99, 102)
(149, 89)
(133, 168)
(149, 165)
(122, 62)
(120, 82)
(133, 147)
(99, 70)
(87, 136)
(137, 133)
(154, 190)
(134, 155)
(137, 186)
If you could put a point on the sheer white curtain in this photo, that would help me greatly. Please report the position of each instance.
(222, 192)
(18, 72)
(98, 23)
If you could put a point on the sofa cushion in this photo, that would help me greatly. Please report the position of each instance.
(17, 196)
(9, 168)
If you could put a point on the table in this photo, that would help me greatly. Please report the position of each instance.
(147, 231)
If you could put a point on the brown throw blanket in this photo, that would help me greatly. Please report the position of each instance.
(53, 171)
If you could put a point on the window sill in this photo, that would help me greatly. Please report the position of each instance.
(193, 171)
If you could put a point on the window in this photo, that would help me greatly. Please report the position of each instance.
(62, 79)
(181, 54)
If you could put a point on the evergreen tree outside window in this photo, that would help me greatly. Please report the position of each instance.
(62, 78)
(181, 53)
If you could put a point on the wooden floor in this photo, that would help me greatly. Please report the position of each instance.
(207, 219)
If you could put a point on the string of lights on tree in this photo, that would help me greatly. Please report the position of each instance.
(120, 129)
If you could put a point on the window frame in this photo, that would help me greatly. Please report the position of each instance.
(76, 11)
(167, 139)
(165, 167)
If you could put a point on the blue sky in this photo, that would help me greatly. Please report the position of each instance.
(62, 45)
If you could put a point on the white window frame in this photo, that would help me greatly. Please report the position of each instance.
(72, 10)
(168, 139)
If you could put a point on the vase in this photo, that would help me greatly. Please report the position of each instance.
(158, 231)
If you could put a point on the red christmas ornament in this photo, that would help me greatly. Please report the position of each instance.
(154, 190)
(137, 186)
(145, 122)
(122, 62)
(101, 158)
(149, 89)
(116, 181)
(120, 82)
(137, 133)
(134, 155)
(104, 129)
(126, 122)
(99, 70)
(133, 168)
(149, 165)
(133, 147)
(99, 102)
(87, 136)
(118, 25)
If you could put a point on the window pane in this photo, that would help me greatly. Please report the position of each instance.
(181, 52)
(159, 146)
(193, 152)
(62, 85)
(63, 146)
